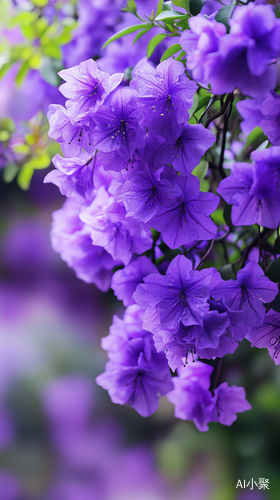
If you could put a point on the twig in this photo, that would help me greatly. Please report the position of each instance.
(222, 110)
(206, 254)
(225, 128)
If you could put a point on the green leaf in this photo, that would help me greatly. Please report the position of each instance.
(39, 162)
(66, 34)
(178, 3)
(218, 217)
(226, 272)
(4, 135)
(183, 23)
(195, 6)
(275, 304)
(130, 7)
(5, 68)
(224, 14)
(154, 42)
(186, 4)
(35, 61)
(52, 49)
(159, 7)
(203, 101)
(125, 31)
(256, 135)
(22, 149)
(49, 70)
(200, 170)
(10, 172)
(194, 105)
(273, 272)
(277, 245)
(169, 16)
(141, 33)
(7, 124)
(227, 214)
(167, 6)
(40, 26)
(173, 49)
(181, 55)
(25, 176)
(24, 19)
(182, 3)
(40, 3)
(22, 72)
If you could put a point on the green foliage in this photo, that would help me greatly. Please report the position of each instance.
(195, 6)
(130, 7)
(24, 177)
(10, 172)
(125, 31)
(227, 215)
(154, 42)
(277, 245)
(273, 272)
(225, 13)
(159, 7)
(141, 33)
(194, 105)
(255, 138)
(40, 3)
(169, 16)
(173, 49)
(182, 3)
(226, 272)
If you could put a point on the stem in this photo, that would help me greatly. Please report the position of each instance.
(217, 373)
(206, 254)
(212, 99)
(225, 128)
(222, 110)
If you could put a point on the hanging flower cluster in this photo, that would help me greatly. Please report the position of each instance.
(137, 218)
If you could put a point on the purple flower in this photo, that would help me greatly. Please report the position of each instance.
(250, 110)
(267, 335)
(191, 395)
(201, 40)
(117, 123)
(248, 293)
(180, 296)
(186, 218)
(73, 136)
(145, 194)
(136, 374)
(228, 402)
(71, 239)
(86, 88)
(74, 176)
(187, 150)
(244, 56)
(109, 228)
(192, 338)
(270, 124)
(250, 205)
(267, 176)
(166, 95)
(125, 281)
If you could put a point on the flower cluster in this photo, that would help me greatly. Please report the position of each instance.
(241, 58)
(136, 218)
